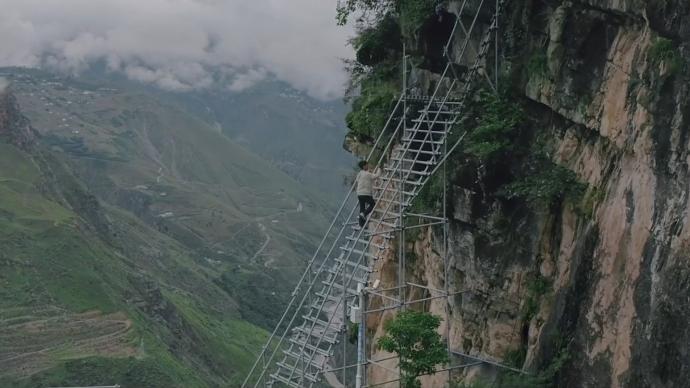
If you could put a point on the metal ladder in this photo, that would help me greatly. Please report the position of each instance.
(315, 318)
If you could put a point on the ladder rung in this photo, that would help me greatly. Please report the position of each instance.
(317, 320)
(365, 242)
(316, 333)
(397, 180)
(317, 363)
(307, 345)
(420, 130)
(433, 112)
(427, 98)
(408, 172)
(432, 121)
(353, 264)
(296, 374)
(424, 141)
(396, 191)
(393, 226)
(329, 297)
(340, 288)
(395, 201)
(284, 380)
(425, 162)
(421, 152)
(356, 278)
(359, 252)
(389, 215)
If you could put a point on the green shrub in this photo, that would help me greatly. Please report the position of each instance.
(413, 14)
(663, 50)
(353, 333)
(378, 43)
(367, 9)
(547, 185)
(536, 289)
(538, 64)
(370, 110)
(543, 379)
(495, 133)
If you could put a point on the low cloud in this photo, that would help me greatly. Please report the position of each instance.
(182, 44)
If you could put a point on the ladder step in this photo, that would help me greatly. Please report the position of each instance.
(353, 264)
(316, 333)
(396, 192)
(365, 242)
(423, 141)
(421, 152)
(420, 130)
(356, 278)
(397, 180)
(359, 252)
(395, 201)
(339, 287)
(297, 375)
(307, 345)
(318, 321)
(302, 358)
(386, 215)
(284, 380)
(408, 172)
(433, 112)
(328, 297)
(431, 120)
(425, 162)
(427, 98)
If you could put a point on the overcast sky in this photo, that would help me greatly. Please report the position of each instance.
(178, 44)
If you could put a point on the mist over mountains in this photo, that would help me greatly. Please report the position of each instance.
(187, 45)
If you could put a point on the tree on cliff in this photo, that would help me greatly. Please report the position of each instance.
(413, 336)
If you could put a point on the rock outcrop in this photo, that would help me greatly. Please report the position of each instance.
(12, 123)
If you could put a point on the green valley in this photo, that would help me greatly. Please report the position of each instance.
(140, 246)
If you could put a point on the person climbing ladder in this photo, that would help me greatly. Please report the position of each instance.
(365, 191)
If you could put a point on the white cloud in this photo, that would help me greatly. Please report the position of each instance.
(182, 44)
(247, 79)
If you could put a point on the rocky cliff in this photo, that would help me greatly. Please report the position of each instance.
(592, 286)
(13, 124)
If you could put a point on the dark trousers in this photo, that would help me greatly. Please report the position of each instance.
(366, 205)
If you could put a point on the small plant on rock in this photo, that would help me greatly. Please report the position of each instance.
(413, 336)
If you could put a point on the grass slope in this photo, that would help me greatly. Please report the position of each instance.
(78, 308)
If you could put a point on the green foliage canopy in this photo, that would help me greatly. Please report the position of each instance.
(413, 336)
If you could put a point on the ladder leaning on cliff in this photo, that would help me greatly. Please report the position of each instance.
(422, 148)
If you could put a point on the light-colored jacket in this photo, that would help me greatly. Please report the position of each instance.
(365, 182)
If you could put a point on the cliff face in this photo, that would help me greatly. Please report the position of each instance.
(12, 123)
(603, 282)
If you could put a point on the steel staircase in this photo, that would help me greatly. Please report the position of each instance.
(299, 349)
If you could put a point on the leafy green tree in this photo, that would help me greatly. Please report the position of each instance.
(413, 336)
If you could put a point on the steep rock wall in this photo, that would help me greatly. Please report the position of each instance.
(617, 265)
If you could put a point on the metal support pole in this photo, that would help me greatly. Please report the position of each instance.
(445, 247)
(344, 305)
(361, 333)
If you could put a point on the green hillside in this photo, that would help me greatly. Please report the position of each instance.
(300, 135)
(141, 247)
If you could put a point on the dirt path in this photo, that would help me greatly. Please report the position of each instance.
(263, 246)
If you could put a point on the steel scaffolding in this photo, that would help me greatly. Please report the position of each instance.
(412, 147)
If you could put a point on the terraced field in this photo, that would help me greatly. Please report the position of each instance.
(36, 339)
